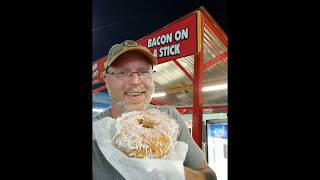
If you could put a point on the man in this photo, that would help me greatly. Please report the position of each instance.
(130, 84)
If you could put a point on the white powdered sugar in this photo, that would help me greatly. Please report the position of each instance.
(151, 133)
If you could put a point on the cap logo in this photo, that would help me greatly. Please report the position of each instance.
(130, 43)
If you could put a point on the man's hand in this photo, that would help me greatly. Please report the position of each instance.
(204, 173)
(191, 174)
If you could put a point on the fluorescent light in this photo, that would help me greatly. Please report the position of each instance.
(215, 87)
(97, 110)
(158, 94)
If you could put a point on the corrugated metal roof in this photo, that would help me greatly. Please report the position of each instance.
(179, 88)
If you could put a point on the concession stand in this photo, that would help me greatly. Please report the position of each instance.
(191, 73)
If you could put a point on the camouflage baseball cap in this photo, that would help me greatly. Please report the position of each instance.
(128, 46)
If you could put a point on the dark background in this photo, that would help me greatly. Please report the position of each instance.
(114, 21)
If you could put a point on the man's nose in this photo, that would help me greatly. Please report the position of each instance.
(134, 78)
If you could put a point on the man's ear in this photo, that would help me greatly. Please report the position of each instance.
(105, 79)
(103, 75)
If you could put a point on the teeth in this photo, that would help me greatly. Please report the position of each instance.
(134, 93)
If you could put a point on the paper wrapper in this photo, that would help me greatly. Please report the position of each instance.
(169, 167)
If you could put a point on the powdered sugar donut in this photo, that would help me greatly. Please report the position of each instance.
(146, 134)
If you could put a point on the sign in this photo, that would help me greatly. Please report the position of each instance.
(98, 71)
(218, 149)
(174, 41)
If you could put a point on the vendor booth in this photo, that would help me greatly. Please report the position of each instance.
(191, 74)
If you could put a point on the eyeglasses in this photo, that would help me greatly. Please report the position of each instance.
(143, 74)
(130, 43)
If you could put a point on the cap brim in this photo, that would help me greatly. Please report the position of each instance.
(150, 56)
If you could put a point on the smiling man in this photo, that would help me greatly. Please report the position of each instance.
(130, 83)
(129, 77)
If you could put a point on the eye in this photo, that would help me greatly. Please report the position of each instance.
(144, 72)
(122, 73)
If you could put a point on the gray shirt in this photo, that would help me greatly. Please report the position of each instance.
(103, 170)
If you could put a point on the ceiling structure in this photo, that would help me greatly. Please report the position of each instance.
(179, 87)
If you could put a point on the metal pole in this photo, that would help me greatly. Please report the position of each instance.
(197, 87)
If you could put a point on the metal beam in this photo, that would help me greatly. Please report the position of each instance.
(99, 89)
(183, 69)
(154, 102)
(197, 88)
(197, 99)
(205, 107)
(215, 28)
(209, 82)
(215, 60)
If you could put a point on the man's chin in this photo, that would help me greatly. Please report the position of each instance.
(135, 107)
(127, 106)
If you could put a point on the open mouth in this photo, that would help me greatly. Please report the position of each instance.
(134, 93)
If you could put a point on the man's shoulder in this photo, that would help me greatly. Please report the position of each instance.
(165, 108)
(170, 110)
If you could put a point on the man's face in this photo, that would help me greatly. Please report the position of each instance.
(131, 92)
